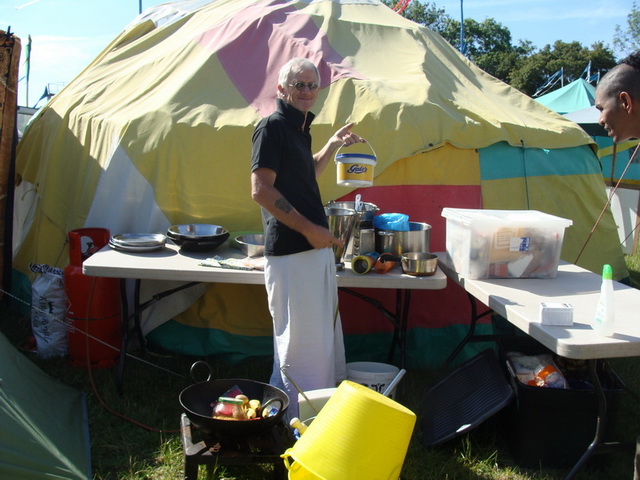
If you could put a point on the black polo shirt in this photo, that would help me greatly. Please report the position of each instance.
(282, 142)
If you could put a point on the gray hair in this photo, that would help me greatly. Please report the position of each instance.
(293, 66)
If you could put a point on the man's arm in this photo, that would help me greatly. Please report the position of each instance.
(267, 196)
(345, 137)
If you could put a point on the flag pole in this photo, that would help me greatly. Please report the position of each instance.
(463, 47)
(28, 62)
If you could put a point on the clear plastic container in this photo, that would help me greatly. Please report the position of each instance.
(504, 243)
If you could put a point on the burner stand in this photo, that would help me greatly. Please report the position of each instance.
(263, 448)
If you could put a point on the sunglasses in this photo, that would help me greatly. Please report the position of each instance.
(300, 86)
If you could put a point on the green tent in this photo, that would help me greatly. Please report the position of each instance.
(576, 95)
(43, 423)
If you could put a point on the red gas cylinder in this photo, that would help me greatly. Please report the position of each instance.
(93, 304)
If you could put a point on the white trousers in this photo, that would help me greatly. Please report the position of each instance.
(307, 332)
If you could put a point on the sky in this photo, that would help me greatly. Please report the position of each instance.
(66, 35)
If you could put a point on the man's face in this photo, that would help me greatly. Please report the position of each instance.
(615, 115)
(303, 99)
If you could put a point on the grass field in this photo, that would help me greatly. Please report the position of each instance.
(135, 436)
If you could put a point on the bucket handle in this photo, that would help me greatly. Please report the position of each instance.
(372, 150)
(192, 371)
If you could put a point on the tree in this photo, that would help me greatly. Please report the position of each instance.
(571, 57)
(426, 14)
(628, 41)
(489, 46)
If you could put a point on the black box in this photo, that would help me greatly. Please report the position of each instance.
(549, 427)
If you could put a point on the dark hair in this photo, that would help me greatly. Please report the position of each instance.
(624, 77)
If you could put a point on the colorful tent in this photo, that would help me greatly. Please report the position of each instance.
(157, 131)
(574, 96)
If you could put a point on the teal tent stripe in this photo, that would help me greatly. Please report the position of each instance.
(426, 347)
(502, 161)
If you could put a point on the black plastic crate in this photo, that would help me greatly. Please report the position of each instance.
(548, 427)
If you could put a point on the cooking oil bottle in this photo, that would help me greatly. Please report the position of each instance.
(605, 318)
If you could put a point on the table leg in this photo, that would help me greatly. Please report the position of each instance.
(598, 446)
(403, 300)
(124, 303)
(472, 328)
(600, 422)
(399, 319)
(137, 311)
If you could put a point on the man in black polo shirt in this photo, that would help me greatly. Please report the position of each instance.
(300, 264)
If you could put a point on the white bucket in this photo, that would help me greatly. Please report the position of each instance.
(376, 376)
(317, 398)
(355, 169)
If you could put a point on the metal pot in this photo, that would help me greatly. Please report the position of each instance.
(416, 239)
(198, 399)
(414, 263)
(341, 223)
(367, 210)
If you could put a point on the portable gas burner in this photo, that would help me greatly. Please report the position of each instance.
(262, 447)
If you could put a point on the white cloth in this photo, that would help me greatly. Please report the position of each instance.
(307, 332)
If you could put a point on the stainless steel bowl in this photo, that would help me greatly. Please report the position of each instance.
(198, 237)
(196, 231)
(252, 245)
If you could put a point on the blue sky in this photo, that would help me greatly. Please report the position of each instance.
(68, 34)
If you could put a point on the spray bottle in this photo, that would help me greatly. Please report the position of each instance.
(604, 319)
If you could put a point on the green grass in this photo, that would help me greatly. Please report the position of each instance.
(135, 436)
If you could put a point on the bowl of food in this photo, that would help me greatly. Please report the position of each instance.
(252, 245)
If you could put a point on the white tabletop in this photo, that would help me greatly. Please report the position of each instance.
(169, 263)
(518, 300)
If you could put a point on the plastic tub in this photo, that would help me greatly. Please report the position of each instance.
(355, 169)
(504, 243)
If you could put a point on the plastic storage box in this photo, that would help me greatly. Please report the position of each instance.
(504, 243)
(549, 427)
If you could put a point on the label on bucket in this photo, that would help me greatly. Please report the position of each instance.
(355, 169)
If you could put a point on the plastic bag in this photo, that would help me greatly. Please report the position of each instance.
(398, 222)
(48, 311)
(536, 370)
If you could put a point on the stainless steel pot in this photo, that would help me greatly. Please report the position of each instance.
(341, 224)
(416, 239)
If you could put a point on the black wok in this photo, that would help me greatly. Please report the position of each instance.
(198, 399)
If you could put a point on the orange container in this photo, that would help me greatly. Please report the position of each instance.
(93, 304)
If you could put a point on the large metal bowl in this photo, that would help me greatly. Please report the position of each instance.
(196, 231)
(197, 401)
(198, 237)
(252, 245)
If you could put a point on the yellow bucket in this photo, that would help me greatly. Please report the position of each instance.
(355, 169)
(359, 433)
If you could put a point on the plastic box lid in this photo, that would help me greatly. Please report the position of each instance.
(466, 397)
(468, 216)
